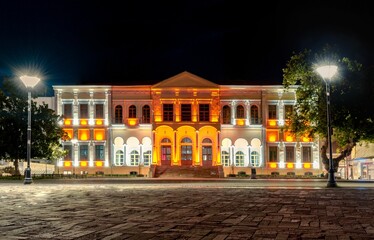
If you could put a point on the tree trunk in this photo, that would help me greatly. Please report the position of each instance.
(344, 153)
(16, 167)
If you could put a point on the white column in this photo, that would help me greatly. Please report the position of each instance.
(75, 110)
(91, 154)
(106, 108)
(247, 111)
(280, 113)
(91, 110)
(281, 155)
(233, 112)
(298, 155)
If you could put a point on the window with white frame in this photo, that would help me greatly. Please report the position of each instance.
(225, 156)
(134, 158)
(119, 161)
(226, 115)
(255, 159)
(83, 110)
(99, 111)
(239, 159)
(99, 152)
(307, 154)
(147, 157)
(290, 154)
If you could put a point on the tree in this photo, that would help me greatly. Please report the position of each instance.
(352, 115)
(45, 132)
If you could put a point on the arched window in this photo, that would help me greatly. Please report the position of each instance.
(226, 115)
(165, 150)
(239, 111)
(254, 115)
(165, 140)
(119, 158)
(147, 157)
(118, 114)
(186, 149)
(239, 159)
(225, 158)
(255, 159)
(207, 150)
(132, 111)
(134, 158)
(146, 111)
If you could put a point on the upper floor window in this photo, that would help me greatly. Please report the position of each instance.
(99, 152)
(118, 114)
(254, 115)
(288, 110)
(132, 111)
(272, 112)
(68, 113)
(146, 117)
(83, 152)
(240, 111)
(186, 112)
(226, 115)
(99, 110)
(69, 152)
(168, 112)
(83, 110)
(204, 112)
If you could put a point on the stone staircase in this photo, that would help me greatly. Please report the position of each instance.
(188, 172)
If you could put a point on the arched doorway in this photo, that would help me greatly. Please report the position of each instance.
(207, 152)
(165, 152)
(186, 152)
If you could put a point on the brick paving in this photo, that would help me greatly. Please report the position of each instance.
(218, 211)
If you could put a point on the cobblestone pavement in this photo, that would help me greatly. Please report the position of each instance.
(55, 209)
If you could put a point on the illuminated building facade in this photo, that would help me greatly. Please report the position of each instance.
(182, 121)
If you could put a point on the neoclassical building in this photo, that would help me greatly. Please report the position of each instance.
(184, 120)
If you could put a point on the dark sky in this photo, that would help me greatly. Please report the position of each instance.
(144, 42)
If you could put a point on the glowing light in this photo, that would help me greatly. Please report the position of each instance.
(99, 122)
(99, 164)
(306, 165)
(84, 122)
(306, 139)
(289, 165)
(29, 81)
(67, 164)
(240, 122)
(327, 71)
(272, 138)
(132, 121)
(289, 137)
(272, 122)
(69, 132)
(273, 165)
(67, 122)
(83, 163)
(99, 134)
(83, 134)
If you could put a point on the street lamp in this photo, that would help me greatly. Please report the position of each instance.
(327, 72)
(29, 82)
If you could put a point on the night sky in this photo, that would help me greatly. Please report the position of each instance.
(144, 42)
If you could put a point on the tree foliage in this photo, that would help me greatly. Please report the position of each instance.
(45, 130)
(351, 97)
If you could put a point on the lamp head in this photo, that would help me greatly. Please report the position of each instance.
(327, 71)
(29, 81)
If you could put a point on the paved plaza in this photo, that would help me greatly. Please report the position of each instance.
(186, 209)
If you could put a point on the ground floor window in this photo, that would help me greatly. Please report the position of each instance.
(239, 159)
(83, 152)
(147, 157)
(99, 152)
(255, 159)
(273, 154)
(166, 153)
(119, 160)
(134, 158)
(225, 157)
(290, 154)
(186, 152)
(307, 154)
(69, 152)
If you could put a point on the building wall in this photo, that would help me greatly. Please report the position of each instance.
(183, 120)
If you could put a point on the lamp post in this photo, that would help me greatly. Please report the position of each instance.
(29, 82)
(327, 72)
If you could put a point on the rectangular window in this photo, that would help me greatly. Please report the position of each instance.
(207, 153)
(68, 110)
(290, 154)
(83, 152)
(83, 110)
(204, 112)
(69, 152)
(272, 112)
(225, 158)
(307, 154)
(168, 112)
(186, 152)
(273, 154)
(99, 152)
(288, 110)
(99, 110)
(186, 112)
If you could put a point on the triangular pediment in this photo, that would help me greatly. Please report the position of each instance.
(185, 80)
